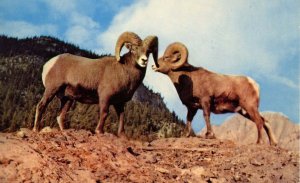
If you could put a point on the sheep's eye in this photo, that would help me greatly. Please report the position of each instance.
(166, 58)
(134, 49)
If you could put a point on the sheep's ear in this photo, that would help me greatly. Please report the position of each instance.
(128, 46)
(126, 37)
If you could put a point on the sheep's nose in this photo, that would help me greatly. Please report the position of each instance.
(144, 58)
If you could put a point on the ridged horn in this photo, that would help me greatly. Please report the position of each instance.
(126, 37)
(151, 43)
(174, 48)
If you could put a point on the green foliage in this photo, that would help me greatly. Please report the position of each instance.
(21, 62)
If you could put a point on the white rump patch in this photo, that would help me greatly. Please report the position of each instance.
(47, 67)
(254, 84)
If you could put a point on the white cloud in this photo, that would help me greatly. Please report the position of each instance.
(62, 6)
(228, 37)
(78, 35)
(24, 29)
(82, 30)
(285, 81)
(79, 19)
(236, 37)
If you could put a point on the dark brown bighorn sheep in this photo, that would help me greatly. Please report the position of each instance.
(199, 88)
(105, 81)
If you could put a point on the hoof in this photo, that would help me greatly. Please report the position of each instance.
(122, 136)
(273, 143)
(210, 135)
(61, 128)
(35, 130)
(99, 132)
(190, 135)
(259, 142)
(187, 135)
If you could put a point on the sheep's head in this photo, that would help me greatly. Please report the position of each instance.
(138, 48)
(175, 56)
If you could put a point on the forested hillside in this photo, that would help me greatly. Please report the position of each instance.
(21, 88)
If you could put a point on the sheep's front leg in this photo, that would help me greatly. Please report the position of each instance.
(103, 115)
(206, 113)
(120, 112)
(190, 115)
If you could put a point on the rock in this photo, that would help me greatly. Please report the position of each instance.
(76, 156)
(197, 170)
(130, 150)
(183, 166)
(255, 162)
(217, 180)
(228, 166)
(26, 130)
(162, 170)
(5, 161)
(21, 134)
(46, 129)
(237, 177)
(153, 159)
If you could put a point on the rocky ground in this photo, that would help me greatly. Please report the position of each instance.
(80, 156)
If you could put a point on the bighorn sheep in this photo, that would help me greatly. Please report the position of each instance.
(199, 88)
(105, 81)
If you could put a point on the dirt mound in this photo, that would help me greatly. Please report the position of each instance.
(79, 156)
(243, 131)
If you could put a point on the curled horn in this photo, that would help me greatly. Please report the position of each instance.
(180, 48)
(126, 37)
(151, 43)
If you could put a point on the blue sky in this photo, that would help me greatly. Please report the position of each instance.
(255, 38)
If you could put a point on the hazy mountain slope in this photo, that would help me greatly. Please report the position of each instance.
(21, 88)
(243, 131)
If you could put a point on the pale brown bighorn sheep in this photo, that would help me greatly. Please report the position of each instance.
(199, 88)
(105, 81)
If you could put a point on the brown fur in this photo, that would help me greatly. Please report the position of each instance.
(103, 81)
(73, 74)
(199, 88)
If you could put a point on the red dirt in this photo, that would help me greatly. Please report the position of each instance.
(79, 156)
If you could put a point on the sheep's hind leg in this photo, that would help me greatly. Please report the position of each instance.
(41, 107)
(206, 113)
(65, 105)
(120, 112)
(269, 132)
(259, 125)
(255, 117)
(266, 126)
